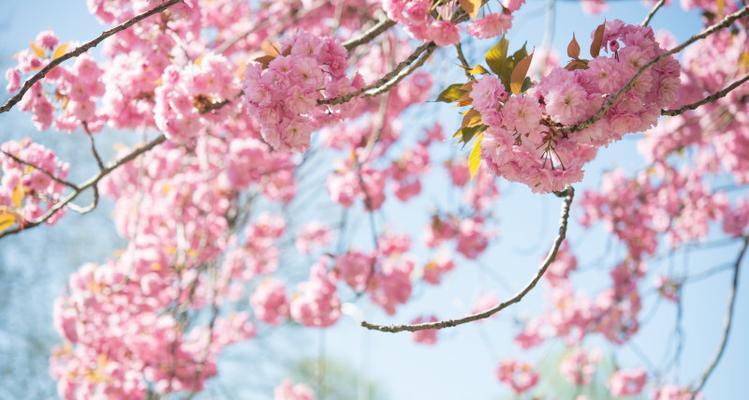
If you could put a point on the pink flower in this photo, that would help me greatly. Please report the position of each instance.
(491, 25)
(518, 375)
(579, 366)
(288, 390)
(627, 382)
(443, 33)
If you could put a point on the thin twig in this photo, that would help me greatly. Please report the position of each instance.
(464, 62)
(92, 143)
(44, 171)
(726, 324)
(709, 99)
(80, 50)
(387, 78)
(611, 101)
(652, 12)
(369, 35)
(90, 183)
(568, 194)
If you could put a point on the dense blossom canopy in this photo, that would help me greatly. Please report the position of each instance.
(237, 98)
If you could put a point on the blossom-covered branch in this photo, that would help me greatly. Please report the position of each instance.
(80, 50)
(89, 183)
(611, 101)
(707, 100)
(568, 194)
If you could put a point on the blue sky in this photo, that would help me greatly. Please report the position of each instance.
(462, 365)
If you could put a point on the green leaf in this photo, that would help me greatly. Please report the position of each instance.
(478, 69)
(469, 132)
(496, 56)
(453, 93)
(474, 159)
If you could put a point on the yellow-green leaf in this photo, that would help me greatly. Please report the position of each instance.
(474, 159)
(38, 50)
(453, 93)
(478, 69)
(518, 74)
(471, 118)
(595, 47)
(60, 50)
(7, 219)
(17, 196)
(573, 48)
(471, 7)
(497, 55)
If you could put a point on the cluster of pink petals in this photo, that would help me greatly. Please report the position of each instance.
(76, 88)
(316, 302)
(186, 93)
(659, 201)
(312, 235)
(34, 187)
(579, 366)
(519, 375)
(627, 382)
(283, 97)
(524, 142)
(288, 390)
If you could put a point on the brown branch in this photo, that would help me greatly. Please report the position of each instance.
(92, 144)
(652, 12)
(387, 78)
(90, 183)
(611, 101)
(568, 194)
(726, 324)
(369, 35)
(80, 50)
(464, 62)
(709, 99)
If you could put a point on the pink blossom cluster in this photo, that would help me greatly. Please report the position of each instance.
(419, 19)
(519, 375)
(579, 366)
(126, 342)
(384, 274)
(662, 200)
(29, 191)
(524, 142)
(73, 91)
(185, 96)
(627, 382)
(316, 303)
(283, 97)
(288, 390)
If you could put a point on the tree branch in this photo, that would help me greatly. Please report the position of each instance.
(50, 175)
(709, 99)
(90, 183)
(568, 194)
(80, 50)
(368, 35)
(611, 101)
(652, 12)
(386, 79)
(726, 324)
